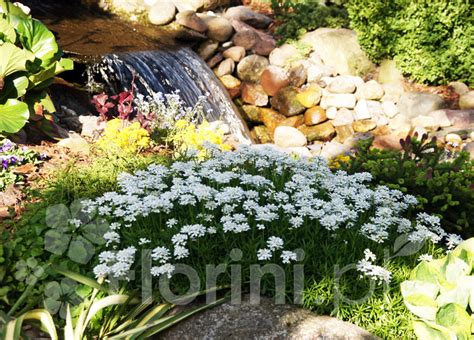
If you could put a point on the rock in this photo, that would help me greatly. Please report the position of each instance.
(461, 118)
(413, 104)
(287, 136)
(190, 20)
(230, 82)
(441, 118)
(309, 96)
(195, 5)
(370, 91)
(254, 94)
(393, 92)
(218, 28)
(341, 84)
(162, 12)
(320, 132)
(270, 118)
(245, 39)
(187, 34)
(236, 53)
(343, 117)
(426, 122)
(215, 60)
(251, 68)
(265, 46)
(459, 87)
(261, 134)
(381, 130)
(331, 112)
(338, 100)
(364, 125)
(91, 126)
(293, 121)
(315, 115)
(207, 49)
(298, 75)
(333, 149)
(286, 103)
(75, 143)
(245, 14)
(387, 142)
(273, 79)
(339, 49)
(469, 147)
(283, 55)
(251, 113)
(388, 73)
(315, 73)
(390, 109)
(225, 67)
(466, 101)
(344, 132)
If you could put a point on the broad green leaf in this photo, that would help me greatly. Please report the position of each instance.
(14, 87)
(419, 287)
(110, 300)
(53, 290)
(56, 241)
(422, 306)
(34, 98)
(454, 268)
(57, 216)
(52, 305)
(7, 32)
(455, 318)
(38, 39)
(426, 272)
(46, 76)
(14, 115)
(465, 251)
(432, 331)
(13, 59)
(12, 10)
(459, 294)
(80, 278)
(80, 250)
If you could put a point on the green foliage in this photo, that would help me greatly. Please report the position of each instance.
(431, 41)
(443, 188)
(30, 60)
(440, 294)
(298, 17)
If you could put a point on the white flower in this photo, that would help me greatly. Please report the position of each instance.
(161, 254)
(111, 237)
(167, 269)
(171, 222)
(274, 243)
(180, 252)
(264, 254)
(75, 222)
(143, 241)
(369, 256)
(452, 240)
(425, 257)
(288, 256)
(101, 270)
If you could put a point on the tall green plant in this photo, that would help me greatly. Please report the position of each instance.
(30, 59)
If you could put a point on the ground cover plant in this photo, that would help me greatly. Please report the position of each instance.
(442, 186)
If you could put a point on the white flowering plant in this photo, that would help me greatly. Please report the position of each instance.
(258, 200)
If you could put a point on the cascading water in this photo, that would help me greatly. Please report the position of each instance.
(169, 71)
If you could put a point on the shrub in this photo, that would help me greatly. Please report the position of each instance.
(440, 294)
(298, 17)
(442, 187)
(30, 60)
(431, 41)
(121, 136)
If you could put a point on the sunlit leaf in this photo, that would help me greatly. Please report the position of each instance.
(14, 115)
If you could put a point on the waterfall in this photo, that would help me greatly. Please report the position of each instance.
(167, 71)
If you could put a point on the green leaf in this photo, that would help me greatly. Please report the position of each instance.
(56, 241)
(422, 306)
(81, 250)
(12, 10)
(454, 268)
(426, 272)
(45, 77)
(455, 318)
(80, 278)
(7, 32)
(13, 114)
(459, 294)
(419, 287)
(14, 87)
(13, 59)
(432, 331)
(38, 39)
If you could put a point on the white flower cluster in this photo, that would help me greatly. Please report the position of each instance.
(250, 191)
(367, 268)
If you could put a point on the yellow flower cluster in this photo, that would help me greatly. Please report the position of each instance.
(336, 162)
(121, 136)
(187, 136)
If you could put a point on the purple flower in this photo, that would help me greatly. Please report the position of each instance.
(6, 146)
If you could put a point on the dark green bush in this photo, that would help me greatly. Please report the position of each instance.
(443, 188)
(430, 40)
(298, 17)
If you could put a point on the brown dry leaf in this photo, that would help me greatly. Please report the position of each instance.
(25, 169)
(10, 196)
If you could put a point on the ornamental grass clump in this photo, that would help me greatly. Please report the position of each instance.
(263, 202)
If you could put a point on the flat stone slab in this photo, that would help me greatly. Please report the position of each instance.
(265, 320)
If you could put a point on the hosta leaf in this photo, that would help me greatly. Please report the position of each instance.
(13, 59)
(454, 268)
(426, 272)
(455, 318)
(14, 11)
(13, 115)
(422, 306)
(52, 290)
(459, 294)
(7, 32)
(432, 331)
(419, 287)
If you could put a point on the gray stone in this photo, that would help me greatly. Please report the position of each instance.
(339, 48)
(459, 87)
(195, 5)
(441, 118)
(370, 91)
(218, 28)
(262, 44)
(251, 68)
(466, 101)
(343, 117)
(426, 122)
(75, 143)
(225, 67)
(390, 109)
(461, 118)
(338, 100)
(162, 13)
(236, 53)
(413, 104)
(245, 14)
(469, 147)
(91, 126)
(281, 56)
(190, 20)
(388, 73)
(207, 49)
(287, 136)
(341, 84)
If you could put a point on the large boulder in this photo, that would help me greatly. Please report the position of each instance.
(190, 20)
(245, 14)
(338, 48)
(251, 68)
(162, 13)
(259, 42)
(466, 101)
(412, 104)
(219, 29)
(263, 320)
